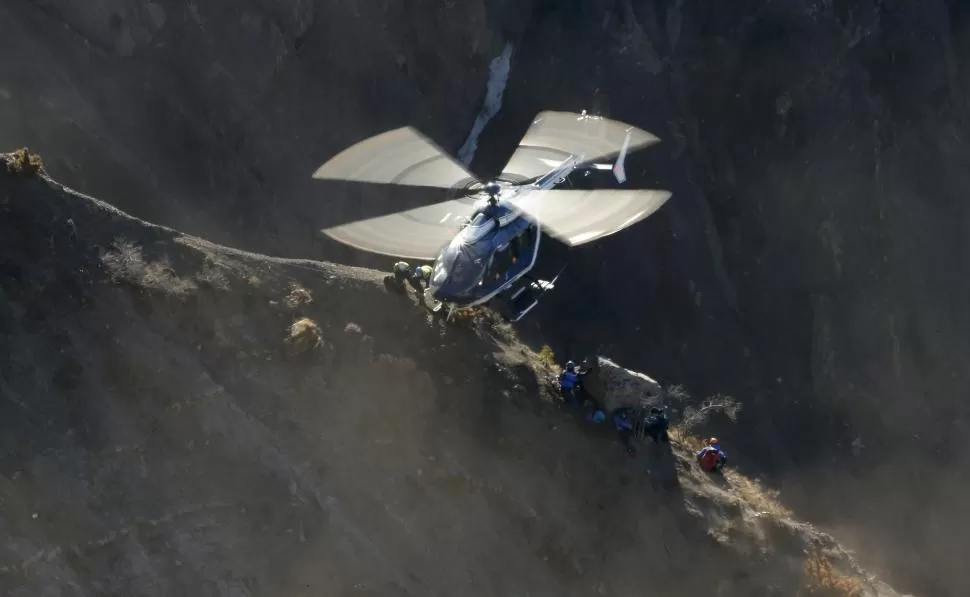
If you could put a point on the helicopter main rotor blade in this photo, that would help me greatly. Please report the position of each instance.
(402, 156)
(555, 136)
(418, 233)
(576, 217)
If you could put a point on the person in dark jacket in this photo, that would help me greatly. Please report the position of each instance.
(657, 424)
(571, 384)
(624, 428)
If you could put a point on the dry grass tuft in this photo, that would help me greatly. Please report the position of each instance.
(298, 297)
(304, 336)
(823, 580)
(761, 499)
(691, 442)
(212, 276)
(24, 164)
(125, 263)
(466, 314)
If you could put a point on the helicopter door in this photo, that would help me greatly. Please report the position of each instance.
(501, 262)
(515, 248)
(521, 246)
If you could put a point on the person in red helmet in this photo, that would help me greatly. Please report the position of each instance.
(711, 458)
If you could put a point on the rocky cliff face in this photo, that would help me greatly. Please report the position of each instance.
(810, 261)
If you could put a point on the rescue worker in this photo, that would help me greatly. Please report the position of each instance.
(421, 275)
(570, 383)
(624, 428)
(657, 424)
(711, 458)
(402, 271)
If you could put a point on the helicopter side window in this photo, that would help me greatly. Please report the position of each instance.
(501, 262)
(522, 242)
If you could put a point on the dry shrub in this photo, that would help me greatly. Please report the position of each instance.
(547, 358)
(676, 394)
(297, 297)
(699, 415)
(823, 580)
(304, 336)
(125, 263)
(24, 164)
(465, 314)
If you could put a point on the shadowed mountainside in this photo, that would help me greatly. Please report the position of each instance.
(182, 418)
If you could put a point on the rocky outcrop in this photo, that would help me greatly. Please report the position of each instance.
(613, 386)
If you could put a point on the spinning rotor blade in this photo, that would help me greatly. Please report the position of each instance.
(418, 233)
(555, 136)
(577, 217)
(401, 156)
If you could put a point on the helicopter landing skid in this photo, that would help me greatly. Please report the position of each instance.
(516, 302)
(438, 307)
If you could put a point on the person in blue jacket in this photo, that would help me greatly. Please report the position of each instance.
(571, 383)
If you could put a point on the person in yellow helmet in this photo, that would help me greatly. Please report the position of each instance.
(421, 277)
(401, 270)
(415, 277)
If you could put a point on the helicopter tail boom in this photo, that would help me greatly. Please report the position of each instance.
(618, 167)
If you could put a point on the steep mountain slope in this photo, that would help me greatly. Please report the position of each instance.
(183, 418)
(812, 259)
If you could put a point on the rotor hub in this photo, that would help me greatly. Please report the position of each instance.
(492, 187)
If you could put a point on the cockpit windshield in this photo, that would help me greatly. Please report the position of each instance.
(479, 226)
(460, 267)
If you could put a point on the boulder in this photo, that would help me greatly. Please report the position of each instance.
(614, 386)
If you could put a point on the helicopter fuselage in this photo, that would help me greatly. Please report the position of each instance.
(488, 255)
(496, 247)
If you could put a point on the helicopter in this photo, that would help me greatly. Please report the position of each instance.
(484, 241)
